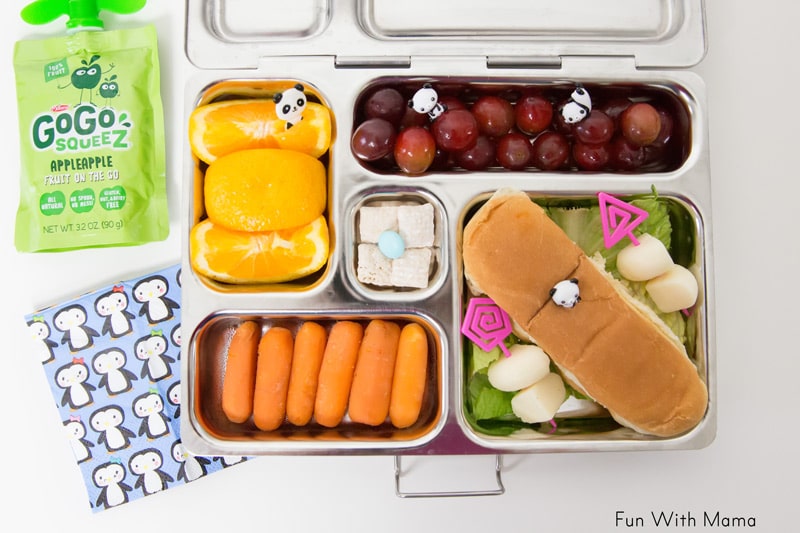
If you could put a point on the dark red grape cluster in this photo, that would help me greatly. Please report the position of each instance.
(518, 129)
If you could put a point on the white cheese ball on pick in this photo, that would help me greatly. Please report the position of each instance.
(674, 290)
(643, 261)
(526, 365)
(540, 401)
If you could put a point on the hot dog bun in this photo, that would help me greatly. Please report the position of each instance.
(615, 350)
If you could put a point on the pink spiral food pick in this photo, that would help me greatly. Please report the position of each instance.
(486, 324)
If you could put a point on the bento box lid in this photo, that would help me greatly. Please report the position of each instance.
(226, 34)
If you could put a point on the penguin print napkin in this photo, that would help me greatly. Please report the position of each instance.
(111, 358)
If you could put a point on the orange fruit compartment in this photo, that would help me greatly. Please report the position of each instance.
(260, 197)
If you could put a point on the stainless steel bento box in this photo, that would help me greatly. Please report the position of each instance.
(340, 51)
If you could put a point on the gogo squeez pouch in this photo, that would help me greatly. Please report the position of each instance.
(91, 132)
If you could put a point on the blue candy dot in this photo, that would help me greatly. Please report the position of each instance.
(391, 244)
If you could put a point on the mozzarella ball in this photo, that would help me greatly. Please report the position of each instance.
(526, 365)
(644, 261)
(674, 290)
(540, 401)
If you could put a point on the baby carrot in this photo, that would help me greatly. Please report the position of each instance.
(336, 372)
(240, 372)
(408, 383)
(309, 347)
(272, 378)
(372, 381)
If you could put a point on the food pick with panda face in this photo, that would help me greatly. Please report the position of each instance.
(290, 104)
(426, 100)
(578, 107)
(566, 293)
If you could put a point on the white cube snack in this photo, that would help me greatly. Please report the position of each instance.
(373, 267)
(674, 290)
(540, 401)
(415, 225)
(526, 365)
(644, 261)
(374, 220)
(412, 269)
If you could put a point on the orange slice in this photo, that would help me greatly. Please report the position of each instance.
(265, 189)
(312, 135)
(258, 257)
(220, 128)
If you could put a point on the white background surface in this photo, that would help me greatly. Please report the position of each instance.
(751, 469)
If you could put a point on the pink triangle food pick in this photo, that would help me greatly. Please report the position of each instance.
(486, 324)
(619, 219)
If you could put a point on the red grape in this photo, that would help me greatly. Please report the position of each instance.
(386, 103)
(667, 126)
(479, 157)
(624, 155)
(412, 118)
(550, 151)
(514, 151)
(597, 128)
(533, 114)
(640, 124)
(414, 150)
(373, 139)
(614, 108)
(451, 102)
(591, 157)
(495, 115)
(455, 130)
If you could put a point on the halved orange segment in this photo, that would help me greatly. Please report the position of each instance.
(220, 128)
(312, 135)
(258, 257)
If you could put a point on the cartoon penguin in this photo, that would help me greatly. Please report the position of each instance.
(76, 433)
(426, 100)
(191, 467)
(150, 407)
(110, 366)
(108, 478)
(72, 321)
(151, 293)
(40, 332)
(152, 350)
(107, 421)
(578, 106)
(72, 378)
(174, 398)
(113, 307)
(175, 335)
(290, 104)
(147, 465)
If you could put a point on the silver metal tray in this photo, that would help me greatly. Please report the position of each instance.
(242, 58)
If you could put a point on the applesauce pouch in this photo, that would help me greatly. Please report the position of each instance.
(91, 134)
